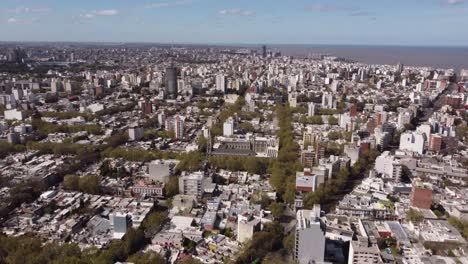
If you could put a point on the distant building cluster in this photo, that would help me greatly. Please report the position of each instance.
(346, 162)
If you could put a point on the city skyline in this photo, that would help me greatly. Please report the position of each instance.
(405, 23)
(150, 132)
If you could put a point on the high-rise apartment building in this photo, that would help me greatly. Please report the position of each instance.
(221, 83)
(176, 124)
(360, 252)
(192, 184)
(310, 237)
(171, 82)
(228, 127)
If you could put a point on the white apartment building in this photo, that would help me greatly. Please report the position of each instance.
(13, 115)
(361, 253)
(192, 184)
(413, 141)
(221, 83)
(228, 127)
(388, 166)
(310, 237)
(311, 108)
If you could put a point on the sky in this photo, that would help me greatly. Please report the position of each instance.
(340, 22)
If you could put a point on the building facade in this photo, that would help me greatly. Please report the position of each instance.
(310, 237)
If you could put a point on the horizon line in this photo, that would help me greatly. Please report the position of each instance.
(230, 44)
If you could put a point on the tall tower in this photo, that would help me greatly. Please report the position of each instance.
(171, 82)
(310, 237)
(400, 67)
(179, 123)
(228, 127)
(311, 111)
(221, 83)
(209, 148)
(264, 51)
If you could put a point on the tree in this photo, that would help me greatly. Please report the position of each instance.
(275, 258)
(26, 192)
(406, 174)
(190, 161)
(414, 216)
(89, 184)
(202, 144)
(462, 132)
(7, 149)
(334, 135)
(277, 209)
(31, 250)
(255, 165)
(324, 111)
(228, 232)
(396, 138)
(234, 164)
(154, 222)
(316, 120)
(172, 186)
(334, 148)
(313, 198)
(289, 242)
(71, 182)
(332, 121)
(260, 198)
(303, 120)
(277, 178)
(134, 240)
(290, 192)
(263, 242)
(117, 140)
(68, 115)
(189, 245)
(115, 252)
(246, 127)
(284, 168)
(346, 135)
(300, 109)
(47, 128)
(438, 213)
(147, 258)
(462, 226)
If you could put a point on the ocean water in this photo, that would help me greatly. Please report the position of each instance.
(437, 57)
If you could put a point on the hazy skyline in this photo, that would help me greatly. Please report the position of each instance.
(386, 22)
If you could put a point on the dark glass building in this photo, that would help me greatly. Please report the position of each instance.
(171, 82)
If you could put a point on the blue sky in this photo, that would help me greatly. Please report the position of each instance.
(373, 22)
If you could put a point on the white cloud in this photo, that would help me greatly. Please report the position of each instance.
(236, 12)
(35, 9)
(167, 4)
(106, 12)
(157, 5)
(89, 15)
(350, 10)
(453, 2)
(19, 21)
(103, 12)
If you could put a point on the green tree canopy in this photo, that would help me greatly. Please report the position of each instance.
(277, 209)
